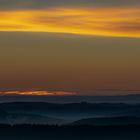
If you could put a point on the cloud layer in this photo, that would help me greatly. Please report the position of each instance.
(118, 22)
(34, 4)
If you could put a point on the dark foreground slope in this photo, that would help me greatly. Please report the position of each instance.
(44, 132)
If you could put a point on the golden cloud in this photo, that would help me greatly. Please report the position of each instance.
(117, 22)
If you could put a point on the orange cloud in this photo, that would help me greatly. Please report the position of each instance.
(37, 93)
(118, 22)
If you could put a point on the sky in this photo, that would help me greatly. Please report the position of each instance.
(63, 47)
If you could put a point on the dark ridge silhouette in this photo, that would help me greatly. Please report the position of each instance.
(73, 108)
(85, 132)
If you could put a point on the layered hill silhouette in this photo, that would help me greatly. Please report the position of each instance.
(84, 121)
(74, 113)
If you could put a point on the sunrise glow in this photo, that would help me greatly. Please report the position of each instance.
(117, 22)
(37, 93)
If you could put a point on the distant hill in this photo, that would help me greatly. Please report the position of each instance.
(132, 98)
(49, 113)
(108, 121)
(27, 118)
(82, 109)
(3, 114)
(30, 119)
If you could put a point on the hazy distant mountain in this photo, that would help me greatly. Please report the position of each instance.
(32, 119)
(73, 110)
(130, 98)
(3, 114)
(49, 113)
(20, 118)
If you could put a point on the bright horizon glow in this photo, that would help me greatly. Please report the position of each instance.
(106, 92)
(115, 22)
(37, 93)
